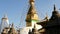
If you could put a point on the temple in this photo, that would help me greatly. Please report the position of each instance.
(48, 25)
(51, 26)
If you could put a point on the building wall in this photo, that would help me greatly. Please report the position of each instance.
(53, 30)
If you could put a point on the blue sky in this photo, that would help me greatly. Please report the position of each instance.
(17, 9)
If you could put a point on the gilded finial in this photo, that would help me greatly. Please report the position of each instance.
(30, 1)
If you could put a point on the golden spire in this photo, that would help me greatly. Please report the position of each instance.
(32, 14)
(30, 1)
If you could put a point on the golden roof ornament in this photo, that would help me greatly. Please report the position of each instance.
(31, 2)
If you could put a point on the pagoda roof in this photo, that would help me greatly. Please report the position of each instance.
(50, 23)
(53, 21)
